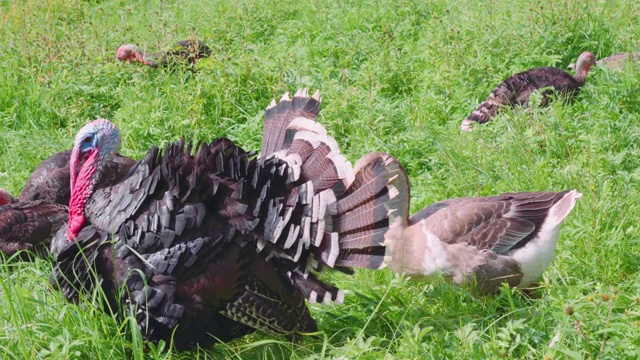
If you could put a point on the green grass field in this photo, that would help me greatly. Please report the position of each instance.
(396, 76)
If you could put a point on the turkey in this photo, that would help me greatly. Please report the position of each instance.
(516, 89)
(210, 242)
(485, 241)
(29, 222)
(615, 62)
(186, 51)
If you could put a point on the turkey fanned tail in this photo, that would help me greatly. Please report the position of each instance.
(312, 210)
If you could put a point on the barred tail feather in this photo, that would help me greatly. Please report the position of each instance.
(278, 117)
(317, 291)
(375, 205)
(328, 214)
(483, 113)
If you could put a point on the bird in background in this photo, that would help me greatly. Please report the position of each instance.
(186, 52)
(482, 241)
(209, 242)
(615, 62)
(517, 89)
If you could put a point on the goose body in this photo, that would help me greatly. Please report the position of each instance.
(509, 238)
(210, 242)
(517, 89)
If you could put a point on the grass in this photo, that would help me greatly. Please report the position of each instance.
(396, 76)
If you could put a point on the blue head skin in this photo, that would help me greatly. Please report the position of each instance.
(95, 144)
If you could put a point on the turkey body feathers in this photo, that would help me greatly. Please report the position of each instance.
(30, 221)
(50, 179)
(25, 225)
(210, 242)
(517, 89)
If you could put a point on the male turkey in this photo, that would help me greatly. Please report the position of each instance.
(210, 242)
(509, 238)
(516, 89)
(29, 222)
(187, 51)
(615, 62)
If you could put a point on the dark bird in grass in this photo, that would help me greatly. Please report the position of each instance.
(210, 242)
(615, 62)
(484, 241)
(182, 52)
(517, 89)
(30, 221)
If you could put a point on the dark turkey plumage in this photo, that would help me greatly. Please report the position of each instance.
(182, 52)
(50, 180)
(29, 222)
(209, 241)
(27, 225)
(517, 89)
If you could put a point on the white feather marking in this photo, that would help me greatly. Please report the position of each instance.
(306, 229)
(278, 230)
(343, 167)
(330, 201)
(313, 296)
(287, 215)
(292, 236)
(320, 233)
(326, 300)
(436, 257)
(310, 192)
(285, 96)
(536, 256)
(322, 204)
(466, 125)
(308, 136)
(393, 191)
(315, 207)
(335, 250)
(296, 257)
(339, 298)
(303, 124)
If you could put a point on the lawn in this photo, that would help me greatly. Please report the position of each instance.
(396, 76)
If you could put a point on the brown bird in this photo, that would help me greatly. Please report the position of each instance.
(486, 241)
(209, 241)
(517, 89)
(615, 62)
(182, 52)
(30, 221)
